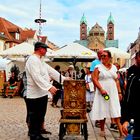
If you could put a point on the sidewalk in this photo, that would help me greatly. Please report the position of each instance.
(13, 126)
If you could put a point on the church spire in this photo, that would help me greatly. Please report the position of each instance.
(110, 19)
(110, 28)
(83, 28)
(83, 19)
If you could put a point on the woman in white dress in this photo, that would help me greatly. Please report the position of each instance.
(105, 79)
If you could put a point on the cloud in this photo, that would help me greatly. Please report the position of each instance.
(70, 3)
(12, 11)
(63, 17)
(61, 23)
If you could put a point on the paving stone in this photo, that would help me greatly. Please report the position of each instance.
(13, 121)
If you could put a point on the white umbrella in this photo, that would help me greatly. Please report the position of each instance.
(118, 53)
(74, 50)
(22, 49)
(18, 50)
(74, 53)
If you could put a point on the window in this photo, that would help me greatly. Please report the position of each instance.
(83, 28)
(17, 36)
(110, 29)
(96, 34)
(83, 34)
(91, 34)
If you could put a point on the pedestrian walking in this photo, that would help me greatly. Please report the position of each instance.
(96, 61)
(89, 89)
(105, 79)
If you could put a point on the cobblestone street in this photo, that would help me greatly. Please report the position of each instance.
(12, 120)
(13, 126)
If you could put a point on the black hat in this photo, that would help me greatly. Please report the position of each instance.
(40, 44)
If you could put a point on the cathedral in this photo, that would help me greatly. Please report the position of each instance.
(94, 38)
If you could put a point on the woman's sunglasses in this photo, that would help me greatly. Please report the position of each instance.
(103, 56)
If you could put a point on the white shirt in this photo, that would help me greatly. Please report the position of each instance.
(39, 75)
(88, 78)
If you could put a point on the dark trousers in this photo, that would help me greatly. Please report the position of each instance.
(27, 116)
(62, 98)
(36, 110)
(56, 97)
(136, 135)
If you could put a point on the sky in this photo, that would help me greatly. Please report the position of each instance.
(63, 17)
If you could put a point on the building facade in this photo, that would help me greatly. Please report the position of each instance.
(14, 35)
(133, 48)
(110, 35)
(96, 38)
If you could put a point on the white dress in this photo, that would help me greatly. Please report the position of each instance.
(102, 108)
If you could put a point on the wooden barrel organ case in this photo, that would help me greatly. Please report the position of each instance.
(73, 116)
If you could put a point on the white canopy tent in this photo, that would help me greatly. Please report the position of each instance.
(18, 50)
(21, 50)
(74, 53)
(18, 54)
(74, 50)
(4, 63)
(118, 53)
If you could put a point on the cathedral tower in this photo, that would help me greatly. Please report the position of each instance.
(110, 28)
(83, 28)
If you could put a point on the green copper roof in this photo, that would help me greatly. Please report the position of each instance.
(111, 43)
(82, 42)
(110, 19)
(83, 20)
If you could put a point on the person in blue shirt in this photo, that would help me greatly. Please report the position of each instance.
(96, 61)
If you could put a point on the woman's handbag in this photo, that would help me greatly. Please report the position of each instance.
(91, 86)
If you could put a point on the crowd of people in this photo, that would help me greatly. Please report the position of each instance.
(122, 90)
(109, 92)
